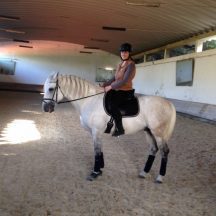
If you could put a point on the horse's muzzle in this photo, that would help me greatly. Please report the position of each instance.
(48, 106)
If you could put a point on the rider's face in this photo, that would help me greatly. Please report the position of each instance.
(124, 55)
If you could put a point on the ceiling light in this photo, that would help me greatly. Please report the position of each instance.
(99, 40)
(3, 17)
(22, 41)
(113, 28)
(158, 3)
(145, 4)
(5, 38)
(88, 47)
(108, 68)
(23, 46)
(12, 31)
(86, 52)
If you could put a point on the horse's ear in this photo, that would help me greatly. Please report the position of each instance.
(54, 75)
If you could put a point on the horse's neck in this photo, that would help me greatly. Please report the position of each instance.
(76, 88)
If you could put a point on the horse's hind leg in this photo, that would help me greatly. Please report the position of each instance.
(153, 150)
(156, 143)
(164, 159)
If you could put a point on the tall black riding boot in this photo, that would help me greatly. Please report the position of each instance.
(119, 130)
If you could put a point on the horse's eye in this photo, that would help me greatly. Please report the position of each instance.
(51, 89)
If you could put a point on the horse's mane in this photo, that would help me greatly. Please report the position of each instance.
(77, 86)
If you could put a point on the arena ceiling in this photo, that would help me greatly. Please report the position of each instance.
(105, 24)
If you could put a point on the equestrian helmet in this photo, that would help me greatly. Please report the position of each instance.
(125, 47)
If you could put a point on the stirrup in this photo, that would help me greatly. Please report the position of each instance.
(109, 126)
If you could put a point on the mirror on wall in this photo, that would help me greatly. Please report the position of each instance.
(7, 67)
(184, 72)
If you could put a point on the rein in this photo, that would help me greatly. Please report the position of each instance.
(67, 101)
(78, 98)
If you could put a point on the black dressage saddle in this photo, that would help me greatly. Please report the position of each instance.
(129, 108)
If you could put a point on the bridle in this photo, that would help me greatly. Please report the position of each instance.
(55, 94)
(54, 98)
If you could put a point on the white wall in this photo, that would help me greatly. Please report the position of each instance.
(153, 78)
(159, 78)
(34, 65)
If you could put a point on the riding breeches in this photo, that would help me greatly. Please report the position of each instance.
(116, 98)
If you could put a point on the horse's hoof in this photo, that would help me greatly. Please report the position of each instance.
(142, 174)
(159, 179)
(94, 175)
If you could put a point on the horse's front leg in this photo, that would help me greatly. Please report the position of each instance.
(99, 160)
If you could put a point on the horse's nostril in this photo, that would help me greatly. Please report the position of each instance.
(45, 107)
(51, 109)
(48, 107)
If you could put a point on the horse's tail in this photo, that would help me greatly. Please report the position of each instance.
(171, 124)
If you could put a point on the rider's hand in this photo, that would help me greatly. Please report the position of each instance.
(108, 88)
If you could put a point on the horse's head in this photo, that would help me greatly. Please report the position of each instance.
(51, 93)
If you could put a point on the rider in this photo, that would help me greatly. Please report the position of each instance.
(119, 87)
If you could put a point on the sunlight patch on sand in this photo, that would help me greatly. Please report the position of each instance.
(19, 131)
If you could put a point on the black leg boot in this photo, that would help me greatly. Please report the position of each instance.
(119, 130)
